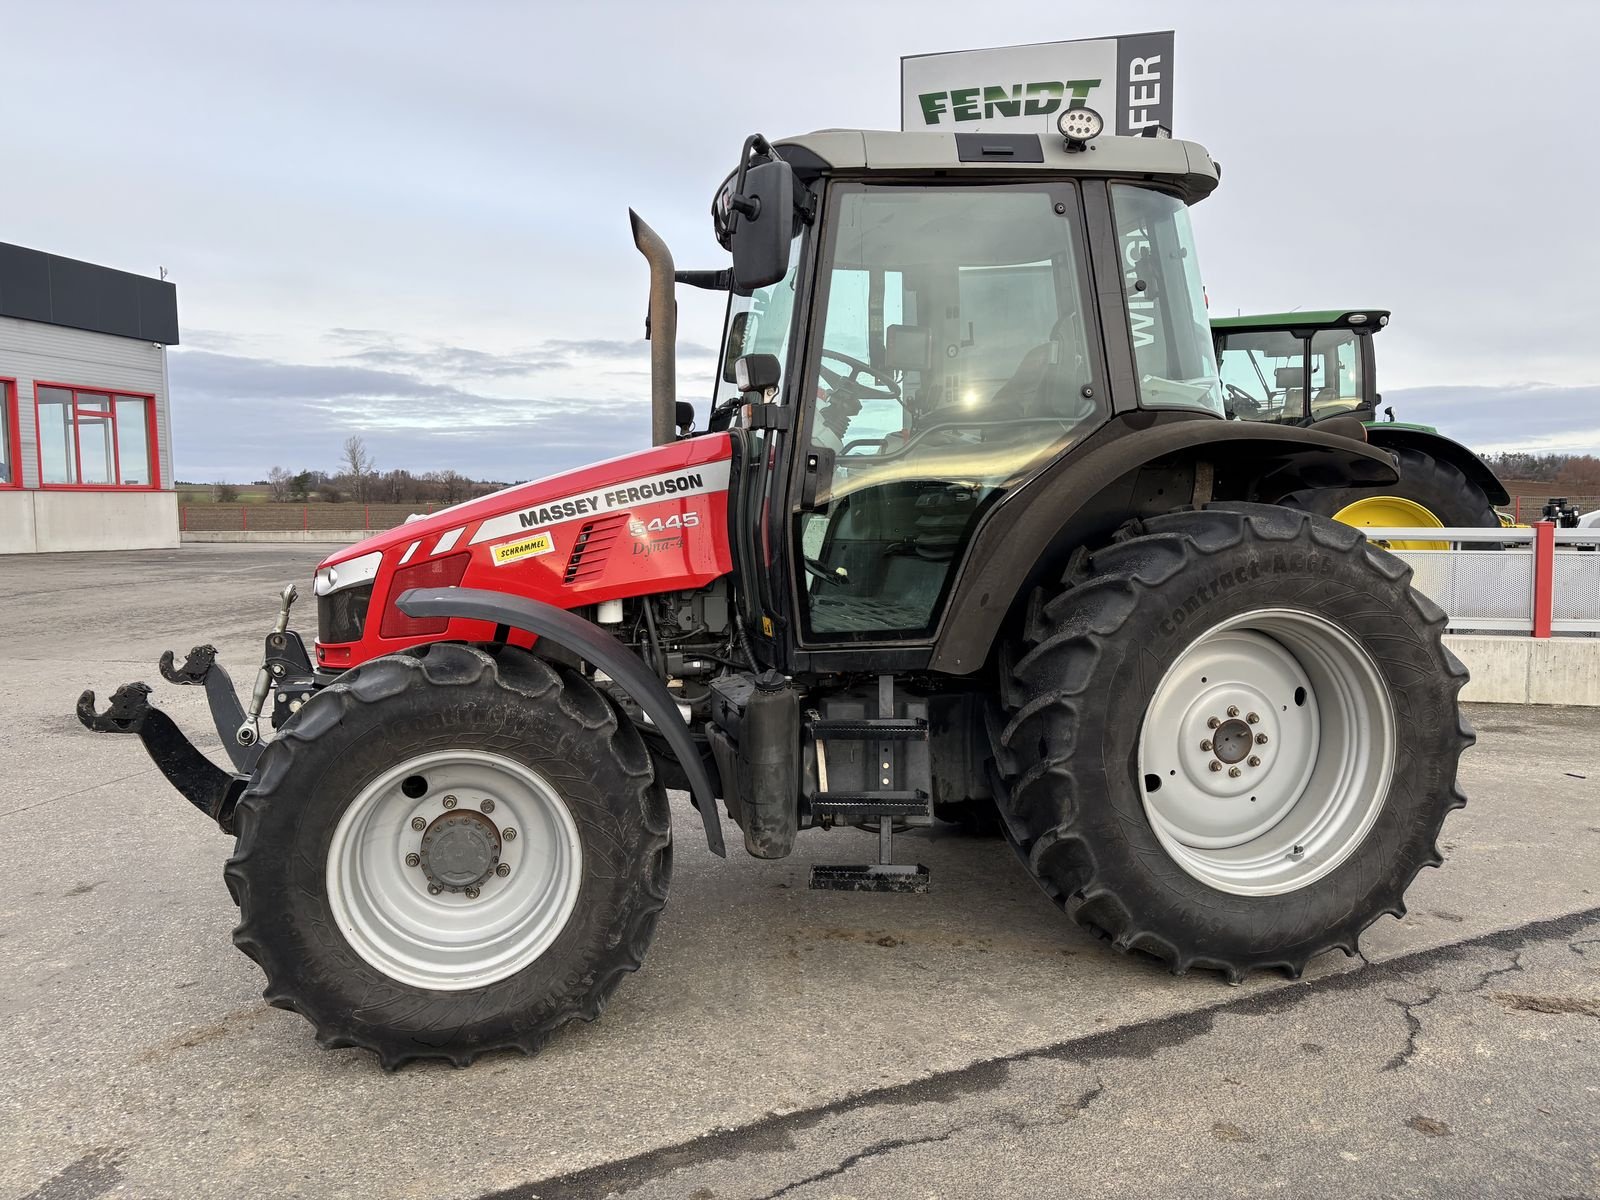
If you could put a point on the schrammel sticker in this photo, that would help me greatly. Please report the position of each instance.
(506, 552)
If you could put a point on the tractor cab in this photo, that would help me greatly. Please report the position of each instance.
(937, 319)
(1299, 368)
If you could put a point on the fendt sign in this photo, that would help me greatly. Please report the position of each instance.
(1019, 89)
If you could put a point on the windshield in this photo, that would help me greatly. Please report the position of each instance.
(954, 361)
(1166, 302)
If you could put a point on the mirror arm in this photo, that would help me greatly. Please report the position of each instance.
(711, 281)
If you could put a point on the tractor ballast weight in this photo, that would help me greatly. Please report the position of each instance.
(966, 537)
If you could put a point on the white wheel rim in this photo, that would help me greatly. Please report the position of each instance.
(1297, 788)
(481, 810)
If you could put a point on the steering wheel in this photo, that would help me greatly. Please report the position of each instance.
(851, 384)
(1242, 400)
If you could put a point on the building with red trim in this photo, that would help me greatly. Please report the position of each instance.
(85, 428)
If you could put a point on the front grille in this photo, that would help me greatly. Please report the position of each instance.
(342, 615)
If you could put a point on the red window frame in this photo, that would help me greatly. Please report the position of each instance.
(11, 427)
(109, 412)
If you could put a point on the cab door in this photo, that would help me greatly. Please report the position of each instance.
(954, 353)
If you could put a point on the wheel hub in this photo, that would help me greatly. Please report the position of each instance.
(460, 850)
(1233, 740)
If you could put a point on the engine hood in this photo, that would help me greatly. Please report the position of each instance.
(555, 499)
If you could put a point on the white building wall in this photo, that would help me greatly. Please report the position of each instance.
(31, 352)
(66, 519)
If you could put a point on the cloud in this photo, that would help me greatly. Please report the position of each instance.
(1524, 416)
(235, 416)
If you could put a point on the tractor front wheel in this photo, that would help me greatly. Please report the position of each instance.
(446, 853)
(1230, 738)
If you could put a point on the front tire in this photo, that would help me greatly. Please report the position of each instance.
(446, 853)
(1318, 814)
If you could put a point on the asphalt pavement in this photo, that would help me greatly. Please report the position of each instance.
(778, 1041)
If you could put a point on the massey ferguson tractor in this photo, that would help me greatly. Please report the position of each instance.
(964, 530)
(1308, 368)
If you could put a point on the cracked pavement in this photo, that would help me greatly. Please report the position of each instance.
(1492, 1093)
(778, 1041)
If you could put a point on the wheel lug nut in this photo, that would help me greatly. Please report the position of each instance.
(1253, 761)
(1215, 765)
(1253, 718)
(472, 893)
(1233, 710)
(503, 870)
(487, 806)
(449, 801)
(434, 889)
(418, 824)
(1213, 722)
(509, 834)
(1261, 739)
(1234, 772)
(1206, 745)
(413, 860)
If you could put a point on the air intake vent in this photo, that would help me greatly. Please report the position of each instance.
(593, 547)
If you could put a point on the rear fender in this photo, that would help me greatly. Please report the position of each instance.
(1379, 433)
(574, 634)
(1125, 471)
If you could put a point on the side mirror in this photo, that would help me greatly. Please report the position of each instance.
(739, 331)
(684, 417)
(756, 372)
(763, 226)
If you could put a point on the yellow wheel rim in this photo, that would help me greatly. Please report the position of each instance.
(1393, 512)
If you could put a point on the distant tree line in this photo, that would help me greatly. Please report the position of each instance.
(1576, 473)
(358, 479)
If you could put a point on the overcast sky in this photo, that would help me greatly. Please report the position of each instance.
(410, 221)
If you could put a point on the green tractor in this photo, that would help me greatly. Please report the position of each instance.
(1317, 369)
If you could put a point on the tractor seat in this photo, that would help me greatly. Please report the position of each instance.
(1048, 382)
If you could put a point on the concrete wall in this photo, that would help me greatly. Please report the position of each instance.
(1516, 669)
(47, 522)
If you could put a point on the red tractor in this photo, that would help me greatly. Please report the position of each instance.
(966, 534)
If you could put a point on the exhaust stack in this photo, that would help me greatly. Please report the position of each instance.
(663, 332)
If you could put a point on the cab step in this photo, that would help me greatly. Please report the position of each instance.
(855, 806)
(893, 741)
(864, 729)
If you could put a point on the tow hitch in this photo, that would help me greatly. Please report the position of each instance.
(285, 673)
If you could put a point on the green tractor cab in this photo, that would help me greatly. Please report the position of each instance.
(1317, 370)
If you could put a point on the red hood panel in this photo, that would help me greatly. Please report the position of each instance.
(648, 522)
(531, 497)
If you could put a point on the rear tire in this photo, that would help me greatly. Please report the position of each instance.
(1088, 689)
(1437, 485)
(411, 956)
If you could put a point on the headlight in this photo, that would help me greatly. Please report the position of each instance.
(350, 573)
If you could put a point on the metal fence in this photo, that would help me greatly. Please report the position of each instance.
(245, 517)
(1539, 580)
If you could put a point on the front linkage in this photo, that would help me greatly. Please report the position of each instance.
(286, 675)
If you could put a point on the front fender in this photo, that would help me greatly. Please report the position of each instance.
(594, 645)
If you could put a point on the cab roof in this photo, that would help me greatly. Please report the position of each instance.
(1372, 319)
(864, 152)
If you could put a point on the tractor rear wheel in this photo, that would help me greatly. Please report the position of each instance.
(446, 853)
(1230, 738)
(1431, 493)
